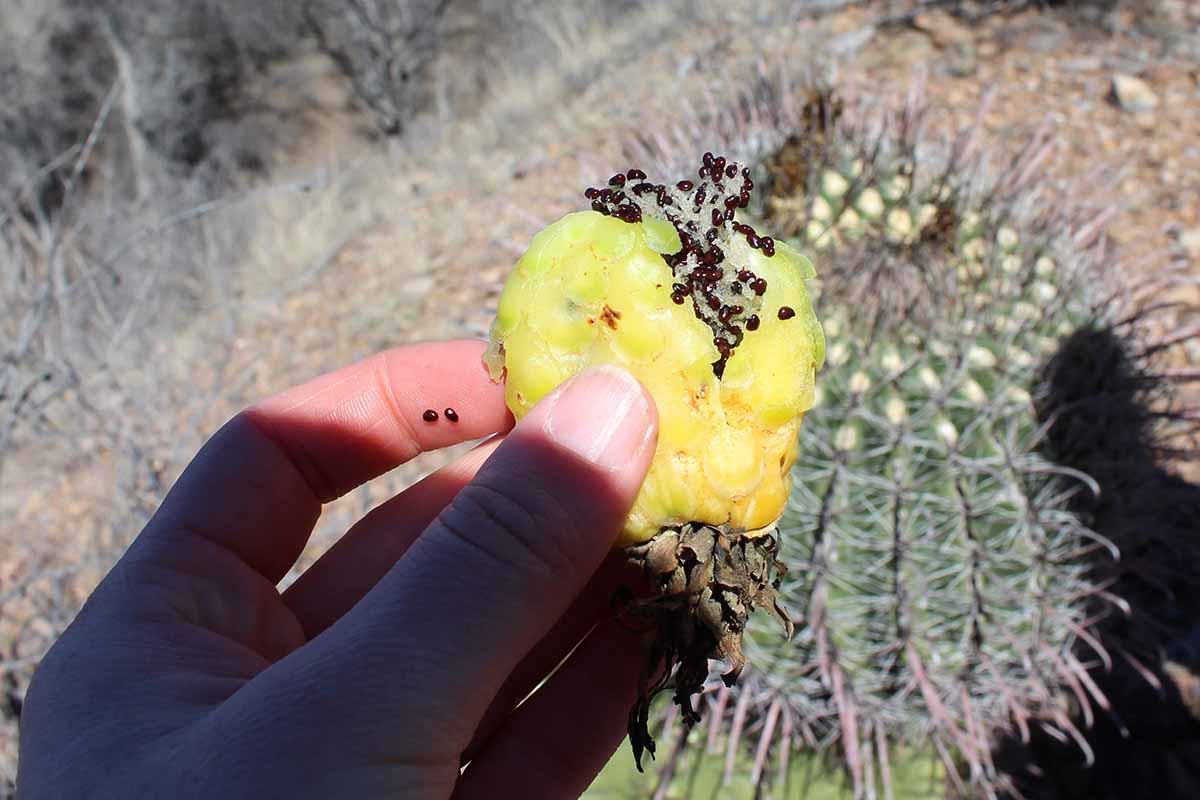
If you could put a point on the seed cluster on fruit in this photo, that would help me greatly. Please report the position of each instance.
(726, 296)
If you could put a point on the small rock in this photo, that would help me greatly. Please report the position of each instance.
(1190, 241)
(1133, 94)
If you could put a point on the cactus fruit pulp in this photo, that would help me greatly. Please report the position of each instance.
(716, 321)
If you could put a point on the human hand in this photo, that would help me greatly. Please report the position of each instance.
(402, 652)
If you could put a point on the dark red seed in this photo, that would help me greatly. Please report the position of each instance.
(752, 323)
(708, 159)
(731, 202)
(430, 415)
(738, 310)
(725, 314)
(451, 415)
(684, 186)
(736, 288)
(744, 199)
(728, 215)
(731, 171)
(617, 180)
(746, 173)
(591, 194)
(786, 312)
(759, 286)
(718, 166)
(635, 175)
(745, 276)
(714, 303)
(716, 216)
(753, 241)
(678, 298)
(643, 187)
(598, 206)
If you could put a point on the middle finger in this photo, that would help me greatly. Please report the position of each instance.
(358, 560)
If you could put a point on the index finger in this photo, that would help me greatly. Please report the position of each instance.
(347, 427)
(257, 486)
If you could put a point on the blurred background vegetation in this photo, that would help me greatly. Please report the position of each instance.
(202, 203)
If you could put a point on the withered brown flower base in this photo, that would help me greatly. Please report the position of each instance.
(705, 581)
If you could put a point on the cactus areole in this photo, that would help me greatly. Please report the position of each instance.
(715, 320)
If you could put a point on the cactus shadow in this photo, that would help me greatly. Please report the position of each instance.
(1096, 394)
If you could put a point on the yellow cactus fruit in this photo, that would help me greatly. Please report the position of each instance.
(716, 321)
(730, 362)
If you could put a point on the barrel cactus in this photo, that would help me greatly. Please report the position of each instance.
(942, 579)
(936, 563)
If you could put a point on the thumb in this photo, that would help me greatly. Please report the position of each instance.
(436, 638)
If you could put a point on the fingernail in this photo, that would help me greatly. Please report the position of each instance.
(603, 415)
